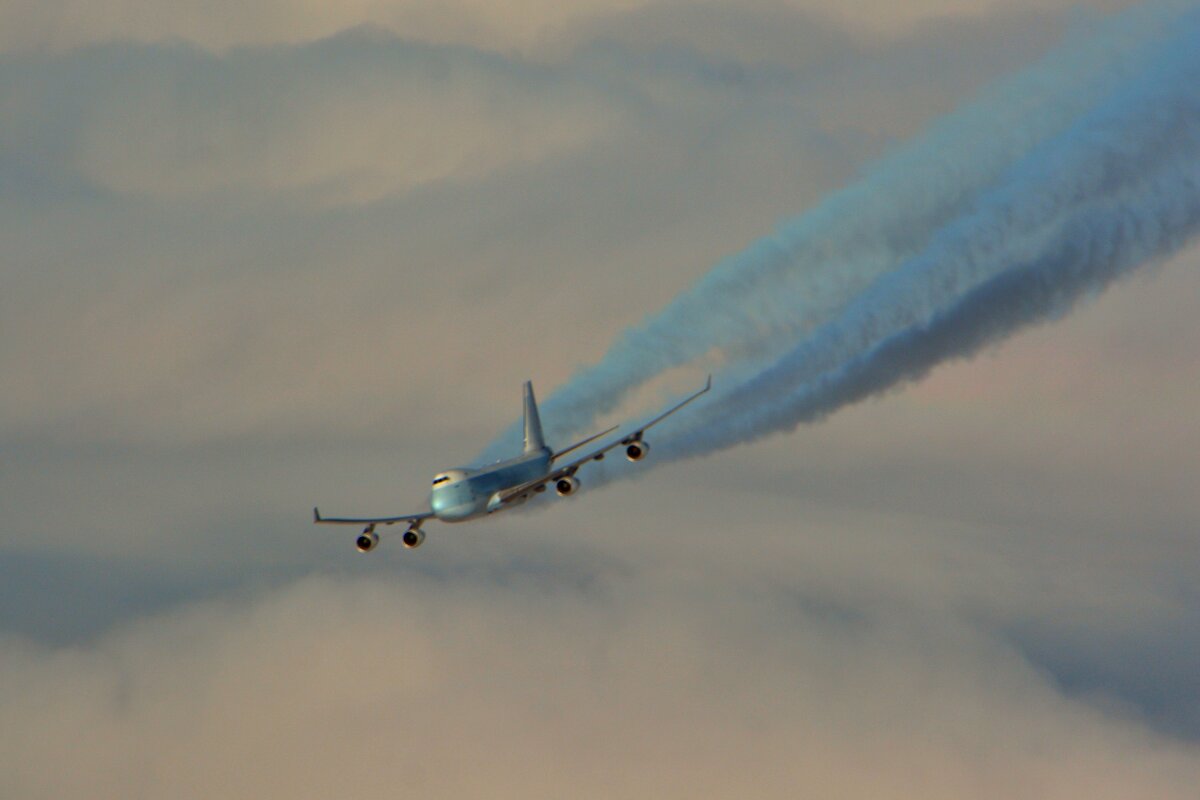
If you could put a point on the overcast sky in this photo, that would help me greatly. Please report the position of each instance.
(259, 256)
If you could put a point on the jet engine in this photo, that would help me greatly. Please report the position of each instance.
(367, 540)
(413, 538)
(566, 485)
(637, 450)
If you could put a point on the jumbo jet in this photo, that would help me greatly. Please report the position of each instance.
(464, 493)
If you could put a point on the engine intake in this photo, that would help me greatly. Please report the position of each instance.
(636, 451)
(367, 541)
(413, 537)
(566, 485)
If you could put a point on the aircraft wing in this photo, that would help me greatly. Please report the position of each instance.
(424, 515)
(638, 434)
(581, 443)
(524, 490)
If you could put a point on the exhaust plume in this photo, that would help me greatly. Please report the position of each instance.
(1006, 213)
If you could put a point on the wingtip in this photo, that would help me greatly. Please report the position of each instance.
(708, 383)
(316, 515)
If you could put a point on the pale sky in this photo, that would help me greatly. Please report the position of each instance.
(260, 256)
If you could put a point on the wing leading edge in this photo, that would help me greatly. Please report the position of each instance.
(410, 518)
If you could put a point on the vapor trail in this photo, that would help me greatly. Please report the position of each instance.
(1048, 188)
(752, 305)
(1116, 190)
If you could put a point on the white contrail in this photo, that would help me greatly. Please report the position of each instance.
(1052, 185)
(1116, 190)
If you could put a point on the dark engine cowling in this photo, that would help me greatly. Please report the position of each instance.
(636, 451)
(367, 541)
(566, 485)
(413, 537)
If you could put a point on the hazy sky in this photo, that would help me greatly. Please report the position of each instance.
(257, 256)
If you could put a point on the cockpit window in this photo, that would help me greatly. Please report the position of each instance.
(440, 479)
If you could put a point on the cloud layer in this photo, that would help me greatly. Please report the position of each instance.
(527, 24)
(630, 686)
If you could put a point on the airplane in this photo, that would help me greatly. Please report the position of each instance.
(464, 493)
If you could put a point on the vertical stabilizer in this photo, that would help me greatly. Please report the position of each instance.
(533, 423)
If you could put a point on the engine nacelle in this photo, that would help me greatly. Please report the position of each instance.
(367, 541)
(566, 485)
(638, 450)
(413, 537)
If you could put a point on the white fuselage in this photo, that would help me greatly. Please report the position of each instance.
(462, 494)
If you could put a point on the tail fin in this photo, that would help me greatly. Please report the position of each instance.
(533, 423)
